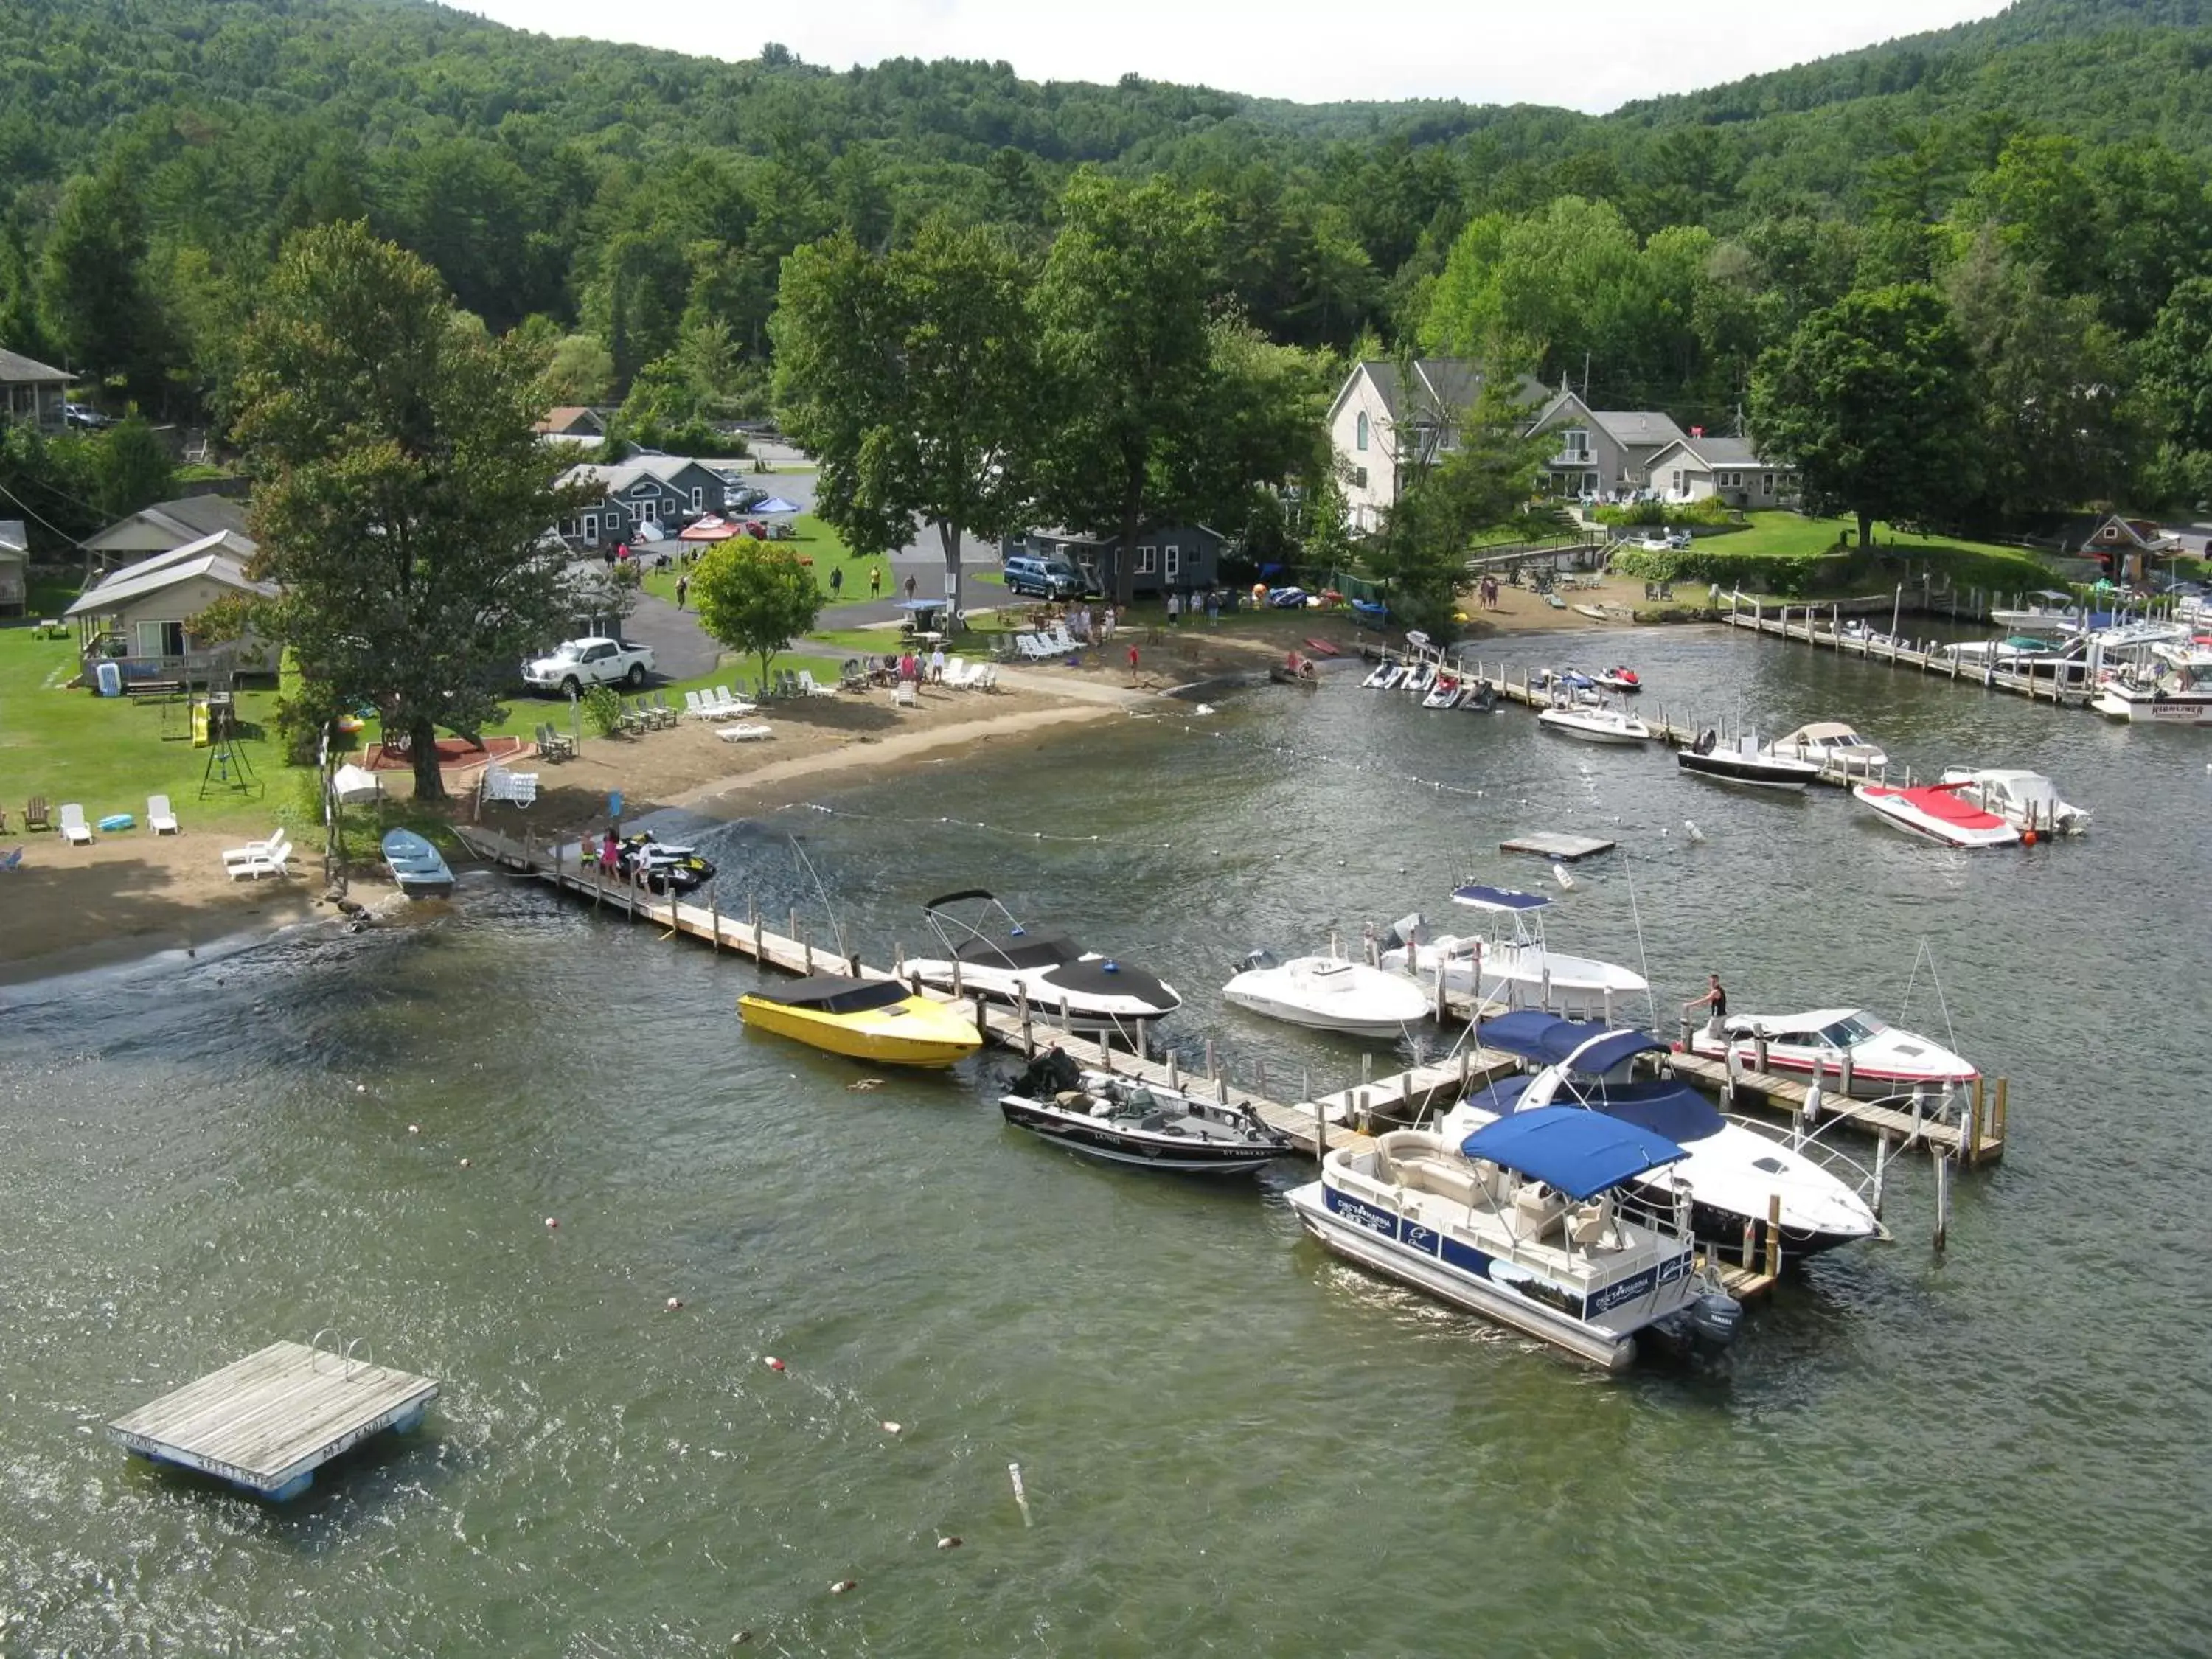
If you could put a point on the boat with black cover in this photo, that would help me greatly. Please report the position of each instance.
(988, 953)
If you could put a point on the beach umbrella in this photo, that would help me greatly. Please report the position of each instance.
(773, 504)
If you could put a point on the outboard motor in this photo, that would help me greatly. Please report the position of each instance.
(1714, 1317)
(1252, 960)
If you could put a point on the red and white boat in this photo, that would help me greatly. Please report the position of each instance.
(1884, 1060)
(1619, 679)
(1937, 812)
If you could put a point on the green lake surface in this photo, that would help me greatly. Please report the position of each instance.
(1231, 1443)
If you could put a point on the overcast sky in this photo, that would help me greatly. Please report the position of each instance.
(1585, 54)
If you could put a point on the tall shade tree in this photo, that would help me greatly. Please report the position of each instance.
(93, 296)
(911, 378)
(1123, 305)
(1873, 399)
(1485, 480)
(754, 597)
(401, 499)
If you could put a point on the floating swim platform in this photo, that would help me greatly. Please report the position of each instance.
(268, 1422)
(1567, 849)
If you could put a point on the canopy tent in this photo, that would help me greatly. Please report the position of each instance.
(352, 784)
(1480, 897)
(1580, 1153)
(775, 504)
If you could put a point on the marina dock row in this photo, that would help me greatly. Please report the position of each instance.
(1929, 657)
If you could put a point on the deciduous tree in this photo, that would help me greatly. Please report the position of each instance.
(401, 499)
(754, 597)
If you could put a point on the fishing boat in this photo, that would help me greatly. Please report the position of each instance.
(1747, 763)
(988, 953)
(1734, 1172)
(871, 1019)
(1327, 993)
(2052, 612)
(1126, 1121)
(418, 867)
(1935, 813)
(2027, 800)
(1619, 679)
(1882, 1060)
(1512, 966)
(1532, 1221)
(1832, 745)
(2176, 689)
(1613, 725)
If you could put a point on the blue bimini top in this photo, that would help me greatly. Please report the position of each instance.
(1580, 1153)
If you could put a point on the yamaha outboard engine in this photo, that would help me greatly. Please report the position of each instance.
(1714, 1317)
(1252, 960)
(1402, 933)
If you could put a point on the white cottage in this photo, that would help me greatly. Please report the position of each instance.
(1384, 426)
(1698, 468)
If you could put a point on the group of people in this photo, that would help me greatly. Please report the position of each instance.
(1487, 593)
(1189, 602)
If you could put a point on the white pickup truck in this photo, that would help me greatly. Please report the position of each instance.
(583, 663)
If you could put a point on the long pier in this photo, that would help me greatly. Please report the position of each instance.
(1927, 658)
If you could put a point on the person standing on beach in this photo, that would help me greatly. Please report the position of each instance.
(875, 581)
(1133, 662)
(1171, 607)
(1109, 633)
(683, 586)
(937, 665)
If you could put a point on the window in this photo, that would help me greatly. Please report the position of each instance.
(1174, 567)
(1145, 561)
(1574, 443)
(1359, 478)
(1766, 483)
(1360, 439)
(698, 497)
(591, 528)
(160, 639)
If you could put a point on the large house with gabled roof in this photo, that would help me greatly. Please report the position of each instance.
(1387, 424)
(1602, 454)
(1698, 468)
(641, 496)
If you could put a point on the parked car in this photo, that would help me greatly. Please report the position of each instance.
(583, 663)
(85, 417)
(1043, 576)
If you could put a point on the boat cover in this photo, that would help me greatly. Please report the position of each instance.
(1024, 950)
(1942, 801)
(1481, 897)
(1105, 977)
(835, 993)
(1582, 1153)
(1550, 1041)
(1665, 1106)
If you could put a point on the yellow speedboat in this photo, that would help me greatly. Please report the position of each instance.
(877, 1019)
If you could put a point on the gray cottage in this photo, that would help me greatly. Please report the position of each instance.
(31, 392)
(1178, 557)
(660, 493)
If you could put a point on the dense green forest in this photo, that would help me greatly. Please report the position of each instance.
(2042, 174)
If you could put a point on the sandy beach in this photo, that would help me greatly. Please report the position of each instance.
(134, 895)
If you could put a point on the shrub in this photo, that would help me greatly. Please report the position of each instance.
(603, 710)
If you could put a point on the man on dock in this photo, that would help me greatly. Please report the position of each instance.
(1715, 999)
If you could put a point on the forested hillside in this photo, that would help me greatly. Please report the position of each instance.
(633, 207)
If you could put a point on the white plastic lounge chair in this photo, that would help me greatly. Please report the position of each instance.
(721, 702)
(519, 787)
(812, 687)
(753, 733)
(903, 696)
(278, 845)
(956, 673)
(159, 818)
(693, 708)
(72, 824)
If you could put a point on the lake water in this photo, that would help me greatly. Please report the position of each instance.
(1230, 1443)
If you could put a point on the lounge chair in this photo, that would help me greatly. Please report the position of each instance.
(518, 787)
(956, 673)
(751, 732)
(692, 709)
(719, 701)
(34, 814)
(985, 678)
(159, 818)
(73, 826)
(903, 695)
(271, 863)
(810, 686)
(278, 845)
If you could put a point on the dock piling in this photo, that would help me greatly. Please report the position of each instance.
(1774, 1235)
(1881, 1169)
(1943, 1201)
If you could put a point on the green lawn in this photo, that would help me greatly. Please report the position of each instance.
(822, 549)
(1787, 555)
(108, 754)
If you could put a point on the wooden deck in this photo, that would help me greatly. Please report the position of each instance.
(1567, 849)
(268, 1422)
(1927, 658)
(1979, 1140)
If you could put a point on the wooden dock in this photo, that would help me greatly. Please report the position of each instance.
(1979, 1137)
(268, 1422)
(1927, 657)
(1565, 849)
(1338, 1118)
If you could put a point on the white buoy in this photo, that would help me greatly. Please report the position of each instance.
(1559, 874)
(1021, 1497)
(1691, 824)
(890, 1427)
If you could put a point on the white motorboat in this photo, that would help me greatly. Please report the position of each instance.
(1831, 745)
(1935, 812)
(1531, 1221)
(990, 954)
(1735, 1172)
(1327, 993)
(1600, 724)
(1746, 763)
(2027, 800)
(2052, 612)
(1884, 1060)
(1513, 966)
(2175, 691)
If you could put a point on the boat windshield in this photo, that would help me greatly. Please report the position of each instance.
(1852, 1028)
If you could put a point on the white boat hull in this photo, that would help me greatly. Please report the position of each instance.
(1902, 814)
(1526, 976)
(1343, 996)
(2152, 711)
(1896, 1062)
(1594, 726)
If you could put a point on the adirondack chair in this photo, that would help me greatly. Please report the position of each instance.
(34, 814)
